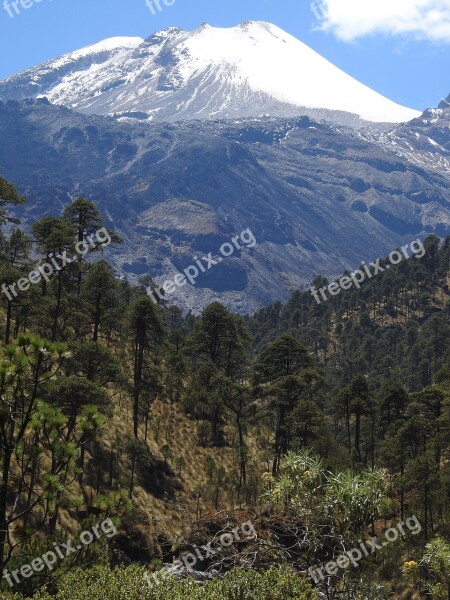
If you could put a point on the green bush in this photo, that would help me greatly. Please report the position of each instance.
(103, 583)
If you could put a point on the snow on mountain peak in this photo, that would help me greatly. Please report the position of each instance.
(274, 62)
(115, 42)
(251, 69)
(108, 45)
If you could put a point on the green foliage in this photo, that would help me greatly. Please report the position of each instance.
(129, 584)
(285, 378)
(433, 571)
(408, 347)
(346, 501)
(336, 399)
(437, 559)
(8, 195)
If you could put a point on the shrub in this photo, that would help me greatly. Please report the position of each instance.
(128, 583)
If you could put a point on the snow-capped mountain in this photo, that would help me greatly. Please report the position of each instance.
(251, 70)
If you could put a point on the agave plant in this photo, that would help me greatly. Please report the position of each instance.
(356, 500)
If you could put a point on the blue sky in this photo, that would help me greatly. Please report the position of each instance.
(404, 57)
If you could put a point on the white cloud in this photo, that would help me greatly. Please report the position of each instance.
(352, 19)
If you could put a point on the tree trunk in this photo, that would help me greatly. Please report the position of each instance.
(138, 367)
(81, 459)
(242, 449)
(57, 308)
(133, 466)
(276, 461)
(96, 319)
(358, 435)
(4, 526)
(8, 322)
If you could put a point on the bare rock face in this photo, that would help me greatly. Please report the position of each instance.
(318, 198)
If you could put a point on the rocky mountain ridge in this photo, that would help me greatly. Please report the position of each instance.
(318, 198)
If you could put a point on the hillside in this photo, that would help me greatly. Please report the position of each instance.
(317, 198)
(315, 424)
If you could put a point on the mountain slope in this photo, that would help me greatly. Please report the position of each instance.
(424, 141)
(316, 199)
(251, 70)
